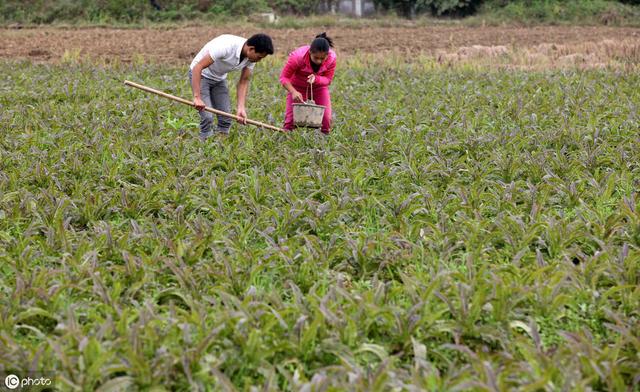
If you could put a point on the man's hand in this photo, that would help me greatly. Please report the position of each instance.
(311, 78)
(242, 113)
(297, 96)
(198, 104)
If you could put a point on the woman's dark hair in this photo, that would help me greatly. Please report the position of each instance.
(261, 42)
(322, 43)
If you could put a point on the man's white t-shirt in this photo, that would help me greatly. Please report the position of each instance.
(225, 52)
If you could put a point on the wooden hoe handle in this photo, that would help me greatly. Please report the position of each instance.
(206, 108)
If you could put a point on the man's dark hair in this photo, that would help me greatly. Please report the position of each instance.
(261, 42)
(321, 43)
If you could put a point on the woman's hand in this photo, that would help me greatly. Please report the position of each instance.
(311, 78)
(297, 96)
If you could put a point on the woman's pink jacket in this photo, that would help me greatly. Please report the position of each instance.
(298, 68)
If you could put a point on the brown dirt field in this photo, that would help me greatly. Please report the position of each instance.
(447, 44)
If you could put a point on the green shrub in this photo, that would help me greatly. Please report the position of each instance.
(126, 11)
(549, 11)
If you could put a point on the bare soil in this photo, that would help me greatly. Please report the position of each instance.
(179, 45)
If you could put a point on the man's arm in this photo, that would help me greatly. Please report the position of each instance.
(196, 76)
(243, 87)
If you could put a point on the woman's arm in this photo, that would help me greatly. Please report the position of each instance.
(326, 77)
(287, 73)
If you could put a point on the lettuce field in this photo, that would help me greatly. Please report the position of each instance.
(462, 228)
